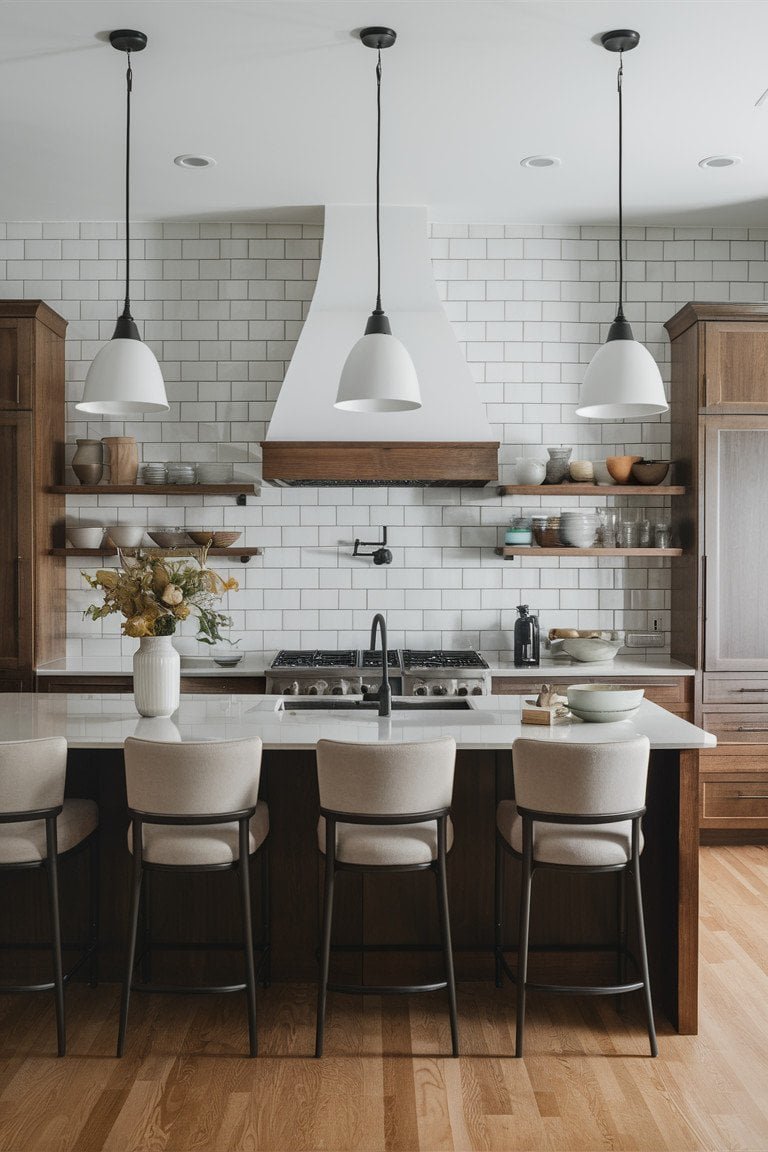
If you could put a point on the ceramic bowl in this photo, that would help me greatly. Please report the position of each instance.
(125, 535)
(226, 658)
(650, 471)
(529, 471)
(578, 529)
(168, 537)
(604, 697)
(602, 475)
(620, 467)
(85, 537)
(586, 649)
(581, 471)
(603, 717)
(217, 538)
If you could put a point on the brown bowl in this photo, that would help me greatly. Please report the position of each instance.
(650, 471)
(214, 537)
(620, 467)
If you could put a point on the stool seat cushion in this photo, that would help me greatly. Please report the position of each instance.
(24, 843)
(385, 844)
(574, 845)
(191, 844)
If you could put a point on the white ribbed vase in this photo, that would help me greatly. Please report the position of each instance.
(156, 672)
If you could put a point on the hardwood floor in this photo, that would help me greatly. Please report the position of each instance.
(586, 1083)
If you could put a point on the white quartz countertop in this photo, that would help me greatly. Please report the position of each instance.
(257, 663)
(103, 720)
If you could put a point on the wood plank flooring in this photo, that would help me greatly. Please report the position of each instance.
(586, 1082)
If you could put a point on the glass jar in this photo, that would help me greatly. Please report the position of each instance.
(520, 531)
(643, 533)
(662, 534)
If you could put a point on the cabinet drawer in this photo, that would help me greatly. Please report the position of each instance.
(738, 798)
(737, 727)
(735, 689)
(676, 690)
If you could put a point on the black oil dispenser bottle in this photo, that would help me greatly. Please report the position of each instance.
(526, 639)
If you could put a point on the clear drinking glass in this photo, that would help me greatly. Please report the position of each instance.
(643, 533)
(607, 530)
(662, 534)
(628, 531)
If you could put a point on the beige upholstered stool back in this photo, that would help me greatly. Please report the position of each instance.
(194, 779)
(581, 779)
(386, 779)
(32, 774)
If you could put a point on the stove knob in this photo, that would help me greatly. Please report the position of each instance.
(439, 690)
(477, 690)
(420, 690)
(366, 688)
(463, 690)
(313, 690)
(337, 690)
(291, 690)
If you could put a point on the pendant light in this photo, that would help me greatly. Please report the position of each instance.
(622, 380)
(378, 375)
(124, 377)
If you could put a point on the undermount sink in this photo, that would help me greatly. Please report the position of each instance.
(338, 703)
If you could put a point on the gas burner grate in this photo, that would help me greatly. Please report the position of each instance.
(371, 659)
(461, 658)
(317, 659)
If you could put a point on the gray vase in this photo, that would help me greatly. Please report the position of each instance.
(88, 461)
(557, 465)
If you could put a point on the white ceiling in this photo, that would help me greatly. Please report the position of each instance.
(282, 94)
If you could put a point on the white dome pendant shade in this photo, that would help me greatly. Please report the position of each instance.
(124, 378)
(378, 374)
(622, 381)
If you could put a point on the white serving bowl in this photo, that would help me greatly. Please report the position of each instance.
(578, 530)
(586, 649)
(125, 535)
(529, 471)
(604, 697)
(85, 537)
(604, 717)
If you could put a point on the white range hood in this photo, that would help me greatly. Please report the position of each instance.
(448, 440)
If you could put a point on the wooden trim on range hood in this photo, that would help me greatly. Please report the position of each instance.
(382, 463)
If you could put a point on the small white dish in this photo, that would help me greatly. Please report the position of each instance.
(603, 717)
(85, 537)
(125, 535)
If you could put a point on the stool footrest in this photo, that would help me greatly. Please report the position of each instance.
(185, 990)
(585, 989)
(387, 989)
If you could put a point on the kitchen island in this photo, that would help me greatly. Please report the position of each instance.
(384, 908)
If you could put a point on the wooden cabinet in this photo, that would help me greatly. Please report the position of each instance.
(32, 607)
(719, 417)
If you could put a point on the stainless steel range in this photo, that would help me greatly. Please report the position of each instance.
(351, 672)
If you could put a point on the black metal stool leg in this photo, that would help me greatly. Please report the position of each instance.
(644, 957)
(133, 934)
(445, 932)
(621, 917)
(52, 868)
(250, 971)
(498, 887)
(145, 966)
(525, 923)
(325, 947)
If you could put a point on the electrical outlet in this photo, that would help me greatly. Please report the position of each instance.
(644, 639)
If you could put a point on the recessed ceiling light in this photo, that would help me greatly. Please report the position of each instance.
(719, 161)
(541, 162)
(192, 160)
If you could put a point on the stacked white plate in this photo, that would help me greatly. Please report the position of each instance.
(578, 529)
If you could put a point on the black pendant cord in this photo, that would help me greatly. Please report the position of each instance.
(620, 312)
(128, 90)
(378, 182)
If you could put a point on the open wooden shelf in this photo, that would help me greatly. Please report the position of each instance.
(591, 490)
(237, 488)
(510, 550)
(243, 553)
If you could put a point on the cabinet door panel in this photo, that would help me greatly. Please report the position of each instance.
(15, 364)
(736, 366)
(736, 544)
(16, 552)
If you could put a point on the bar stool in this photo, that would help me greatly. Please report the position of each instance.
(195, 808)
(577, 808)
(38, 828)
(384, 808)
